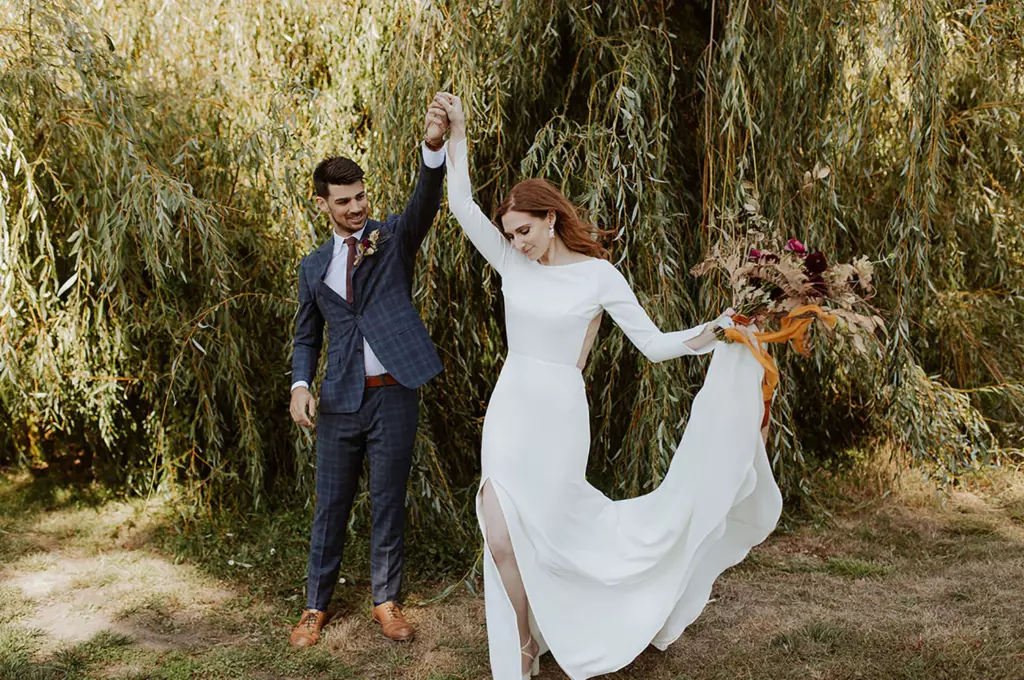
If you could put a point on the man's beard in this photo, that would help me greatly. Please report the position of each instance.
(344, 226)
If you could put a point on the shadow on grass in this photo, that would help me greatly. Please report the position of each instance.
(263, 553)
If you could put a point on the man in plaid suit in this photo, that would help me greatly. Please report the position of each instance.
(360, 284)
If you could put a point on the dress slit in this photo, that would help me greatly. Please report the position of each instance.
(500, 655)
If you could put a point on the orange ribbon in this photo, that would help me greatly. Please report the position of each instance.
(793, 329)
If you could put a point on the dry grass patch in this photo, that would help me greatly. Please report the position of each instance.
(914, 585)
(74, 597)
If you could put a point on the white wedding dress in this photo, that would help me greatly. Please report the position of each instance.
(605, 578)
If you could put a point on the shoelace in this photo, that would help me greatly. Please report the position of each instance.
(309, 620)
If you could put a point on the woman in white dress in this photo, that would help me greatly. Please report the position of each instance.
(567, 569)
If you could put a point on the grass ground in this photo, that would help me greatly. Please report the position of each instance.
(904, 585)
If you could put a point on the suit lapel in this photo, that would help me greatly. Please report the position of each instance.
(322, 259)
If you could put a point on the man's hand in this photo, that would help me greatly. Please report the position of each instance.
(436, 121)
(303, 407)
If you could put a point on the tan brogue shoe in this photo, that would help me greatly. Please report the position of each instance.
(392, 622)
(307, 632)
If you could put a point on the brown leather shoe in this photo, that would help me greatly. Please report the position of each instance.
(392, 622)
(307, 632)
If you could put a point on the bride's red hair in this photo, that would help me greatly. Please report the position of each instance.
(537, 197)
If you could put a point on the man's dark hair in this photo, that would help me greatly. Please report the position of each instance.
(335, 170)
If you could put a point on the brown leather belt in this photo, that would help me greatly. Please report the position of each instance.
(380, 380)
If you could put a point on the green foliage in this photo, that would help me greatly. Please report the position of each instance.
(155, 201)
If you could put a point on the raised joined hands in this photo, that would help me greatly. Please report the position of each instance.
(436, 121)
(456, 116)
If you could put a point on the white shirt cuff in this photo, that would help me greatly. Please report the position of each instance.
(431, 158)
(300, 383)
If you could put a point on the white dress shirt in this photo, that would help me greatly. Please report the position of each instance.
(337, 281)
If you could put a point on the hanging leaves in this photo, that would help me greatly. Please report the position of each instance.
(169, 214)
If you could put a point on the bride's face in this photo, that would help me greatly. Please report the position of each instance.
(528, 234)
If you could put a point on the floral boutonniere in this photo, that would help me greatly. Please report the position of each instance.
(366, 247)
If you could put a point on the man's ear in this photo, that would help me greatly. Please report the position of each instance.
(322, 204)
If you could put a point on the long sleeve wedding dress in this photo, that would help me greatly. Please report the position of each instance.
(605, 578)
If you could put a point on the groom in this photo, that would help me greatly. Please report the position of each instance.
(359, 283)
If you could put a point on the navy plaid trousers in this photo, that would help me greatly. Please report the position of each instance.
(385, 428)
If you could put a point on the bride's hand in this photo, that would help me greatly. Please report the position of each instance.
(710, 332)
(724, 320)
(456, 116)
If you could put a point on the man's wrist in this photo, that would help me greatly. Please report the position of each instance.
(434, 146)
(432, 158)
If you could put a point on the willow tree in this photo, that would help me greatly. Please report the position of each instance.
(155, 201)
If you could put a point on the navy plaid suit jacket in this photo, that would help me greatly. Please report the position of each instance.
(382, 310)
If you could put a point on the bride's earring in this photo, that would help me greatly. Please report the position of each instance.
(551, 231)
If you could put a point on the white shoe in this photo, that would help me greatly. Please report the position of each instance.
(535, 667)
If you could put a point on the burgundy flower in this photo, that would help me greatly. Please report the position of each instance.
(794, 246)
(756, 255)
(365, 243)
(815, 264)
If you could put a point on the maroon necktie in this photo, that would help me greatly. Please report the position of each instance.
(349, 266)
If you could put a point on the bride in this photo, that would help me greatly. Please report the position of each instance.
(596, 581)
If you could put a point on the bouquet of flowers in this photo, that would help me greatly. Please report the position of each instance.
(785, 290)
(789, 288)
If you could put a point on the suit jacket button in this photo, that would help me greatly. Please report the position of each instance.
(359, 317)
